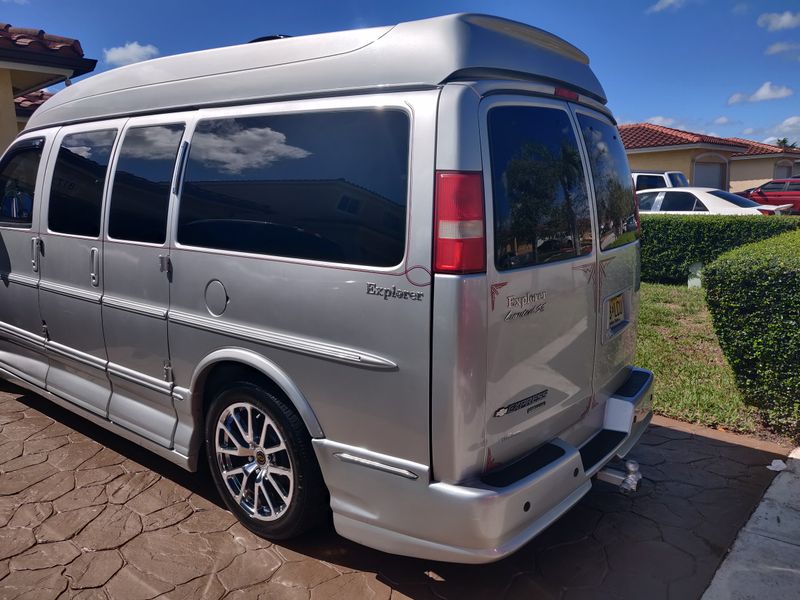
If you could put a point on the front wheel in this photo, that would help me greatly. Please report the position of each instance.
(263, 463)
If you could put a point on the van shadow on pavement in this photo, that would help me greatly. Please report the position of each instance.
(84, 509)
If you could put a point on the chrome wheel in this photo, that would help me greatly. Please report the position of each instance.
(254, 462)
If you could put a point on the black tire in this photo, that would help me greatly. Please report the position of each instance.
(309, 505)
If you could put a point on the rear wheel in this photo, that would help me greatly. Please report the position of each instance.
(262, 461)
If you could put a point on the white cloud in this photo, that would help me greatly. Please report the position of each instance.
(769, 140)
(16, 1)
(660, 120)
(665, 4)
(740, 8)
(781, 48)
(778, 21)
(736, 98)
(748, 131)
(232, 148)
(789, 126)
(722, 120)
(130, 53)
(767, 91)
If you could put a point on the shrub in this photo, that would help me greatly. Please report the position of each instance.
(753, 293)
(672, 243)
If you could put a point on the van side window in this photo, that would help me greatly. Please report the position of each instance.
(140, 194)
(613, 187)
(541, 206)
(76, 194)
(18, 183)
(327, 186)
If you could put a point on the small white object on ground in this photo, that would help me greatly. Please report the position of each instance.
(777, 465)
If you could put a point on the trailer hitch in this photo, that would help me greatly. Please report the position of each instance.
(628, 481)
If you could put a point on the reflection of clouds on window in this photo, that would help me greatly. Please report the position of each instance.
(152, 143)
(88, 145)
(232, 148)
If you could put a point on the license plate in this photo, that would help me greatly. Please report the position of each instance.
(616, 311)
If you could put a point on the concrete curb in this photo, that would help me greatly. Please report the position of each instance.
(764, 562)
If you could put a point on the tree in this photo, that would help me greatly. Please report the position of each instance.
(784, 143)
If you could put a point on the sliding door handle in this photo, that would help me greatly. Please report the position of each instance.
(94, 274)
(35, 245)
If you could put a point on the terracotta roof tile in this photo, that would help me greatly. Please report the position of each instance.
(36, 40)
(756, 148)
(647, 135)
(25, 105)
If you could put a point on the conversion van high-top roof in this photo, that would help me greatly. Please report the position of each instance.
(391, 274)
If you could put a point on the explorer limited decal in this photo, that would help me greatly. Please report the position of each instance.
(528, 304)
(531, 403)
(374, 289)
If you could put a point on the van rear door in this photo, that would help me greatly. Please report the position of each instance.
(542, 271)
(619, 259)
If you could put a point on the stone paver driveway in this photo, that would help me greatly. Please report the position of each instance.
(85, 514)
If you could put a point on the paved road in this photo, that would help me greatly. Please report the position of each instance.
(85, 514)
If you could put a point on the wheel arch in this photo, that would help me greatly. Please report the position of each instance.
(263, 366)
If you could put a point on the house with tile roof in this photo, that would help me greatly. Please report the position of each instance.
(31, 60)
(708, 161)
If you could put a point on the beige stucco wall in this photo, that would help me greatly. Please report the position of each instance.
(751, 172)
(676, 160)
(8, 116)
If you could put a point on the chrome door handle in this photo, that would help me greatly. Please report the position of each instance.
(35, 244)
(94, 274)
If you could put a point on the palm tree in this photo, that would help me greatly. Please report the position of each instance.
(784, 143)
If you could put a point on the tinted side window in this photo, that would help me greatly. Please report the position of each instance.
(18, 183)
(76, 194)
(140, 195)
(678, 201)
(678, 180)
(541, 205)
(322, 186)
(648, 182)
(613, 189)
(699, 206)
(793, 187)
(773, 186)
(646, 201)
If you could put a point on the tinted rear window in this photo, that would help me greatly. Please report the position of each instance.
(646, 201)
(678, 201)
(140, 195)
(648, 182)
(678, 180)
(613, 187)
(76, 194)
(734, 199)
(322, 186)
(541, 206)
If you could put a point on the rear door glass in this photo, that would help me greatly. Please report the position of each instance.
(541, 205)
(678, 202)
(613, 187)
(646, 201)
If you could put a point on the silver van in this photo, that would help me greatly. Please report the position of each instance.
(391, 274)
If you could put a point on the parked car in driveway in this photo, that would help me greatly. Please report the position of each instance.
(359, 272)
(697, 200)
(646, 180)
(777, 191)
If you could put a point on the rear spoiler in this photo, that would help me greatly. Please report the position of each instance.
(775, 209)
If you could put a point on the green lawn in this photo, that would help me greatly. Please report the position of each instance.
(693, 381)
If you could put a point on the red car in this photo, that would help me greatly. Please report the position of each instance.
(777, 191)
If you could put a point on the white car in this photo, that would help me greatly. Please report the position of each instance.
(709, 201)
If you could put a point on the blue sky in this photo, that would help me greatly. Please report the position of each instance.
(727, 67)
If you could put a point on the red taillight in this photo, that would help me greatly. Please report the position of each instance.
(459, 238)
(566, 94)
(765, 212)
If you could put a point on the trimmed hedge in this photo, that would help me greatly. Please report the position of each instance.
(672, 243)
(753, 293)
